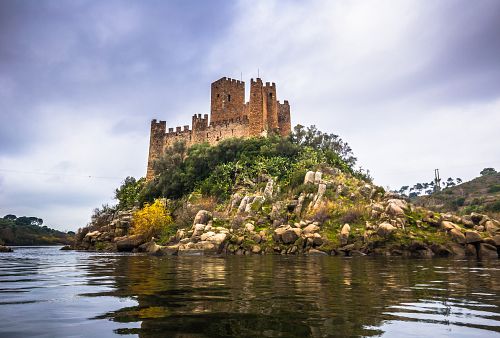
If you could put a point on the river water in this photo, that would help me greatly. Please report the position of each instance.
(45, 292)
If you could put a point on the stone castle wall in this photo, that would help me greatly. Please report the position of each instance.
(230, 117)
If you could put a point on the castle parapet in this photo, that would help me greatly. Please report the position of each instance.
(230, 116)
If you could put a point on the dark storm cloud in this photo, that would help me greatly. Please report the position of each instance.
(98, 53)
(80, 81)
(463, 40)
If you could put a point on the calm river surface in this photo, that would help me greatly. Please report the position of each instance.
(45, 292)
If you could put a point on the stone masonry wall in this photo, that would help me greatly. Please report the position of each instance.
(227, 99)
(230, 117)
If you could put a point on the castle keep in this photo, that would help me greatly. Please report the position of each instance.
(230, 116)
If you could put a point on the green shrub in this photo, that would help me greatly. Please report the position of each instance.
(458, 202)
(493, 207)
(494, 188)
(215, 170)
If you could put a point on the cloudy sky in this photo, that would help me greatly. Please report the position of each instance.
(410, 85)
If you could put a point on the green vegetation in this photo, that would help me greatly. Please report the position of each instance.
(481, 195)
(215, 170)
(494, 188)
(488, 171)
(29, 231)
(128, 193)
(153, 220)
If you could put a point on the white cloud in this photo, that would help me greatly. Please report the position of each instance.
(353, 68)
(81, 161)
(400, 81)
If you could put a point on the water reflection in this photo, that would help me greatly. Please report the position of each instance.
(290, 296)
(48, 293)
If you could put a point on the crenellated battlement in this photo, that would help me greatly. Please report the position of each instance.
(229, 80)
(230, 116)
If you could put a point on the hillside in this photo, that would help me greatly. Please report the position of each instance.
(481, 195)
(295, 196)
(29, 231)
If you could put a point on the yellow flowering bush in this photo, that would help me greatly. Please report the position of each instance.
(151, 220)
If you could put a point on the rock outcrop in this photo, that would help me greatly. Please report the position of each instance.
(331, 214)
(5, 249)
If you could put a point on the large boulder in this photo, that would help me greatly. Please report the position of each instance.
(309, 178)
(491, 228)
(311, 228)
(92, 236)
(206, 235)
(317, 239)
(457, 249)
(470, 250)
(318, 198)
(202, 217)
(128, 243)
(201, 248)
(235, 201)
(278, 232)
(217, 239)
(457, 236)
(180, 234)
(198, 229)
(5, 249)
(396, 207)
(249, 227)
(385, 229)
(243, 204)
(472, 237)
(344, 234)
(151, 248)
(496, 240)
(290, 235)
(169, 250)
(487, 251)
(317, 177)
(314, 252)
(268, 190)
(476, 218)
(448, 226)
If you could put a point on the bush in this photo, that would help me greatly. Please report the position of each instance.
(353, 216)
(455, 204)
(494, 188)
(151, 220)
(493, 207)
(215, 170)
(128, 193)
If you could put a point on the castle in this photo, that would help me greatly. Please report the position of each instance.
(230, 117)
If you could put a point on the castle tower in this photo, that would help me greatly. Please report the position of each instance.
(284, 122)
(227, 100)
(200, 123)
(271, 105)
(230, 117)
(257, 110)
(156, 143)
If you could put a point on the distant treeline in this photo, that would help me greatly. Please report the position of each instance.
(26, 230)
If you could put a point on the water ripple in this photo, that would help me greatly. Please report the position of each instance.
(50, 293)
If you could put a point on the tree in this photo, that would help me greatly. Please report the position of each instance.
(488, 171)
(128, 193)
(449, 182)
(318, 140)
(459, 180)
(403, 190)
(10, 216)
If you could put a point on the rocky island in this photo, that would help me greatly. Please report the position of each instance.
(291, 201)
(245, 183)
